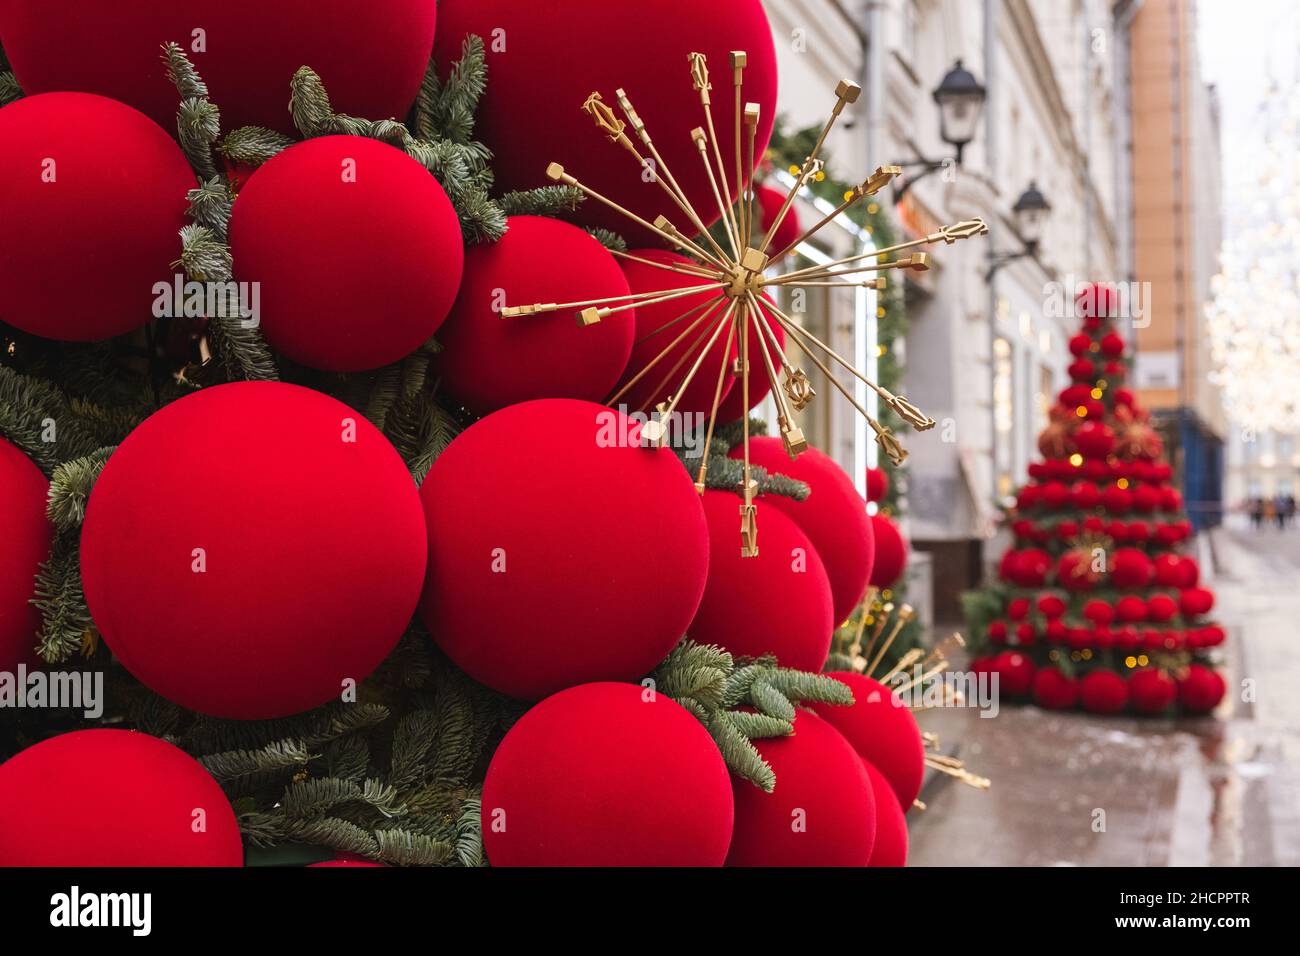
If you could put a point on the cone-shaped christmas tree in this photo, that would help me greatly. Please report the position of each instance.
(1094, 605)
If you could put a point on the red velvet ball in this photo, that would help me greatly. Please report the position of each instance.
(1054, 495)
(1032, 567)
(1055, 631)
(1117, 530)
(1212, 636)
(1112, 345)
(1082, 370)
(1114, 370)
(154, 805)
(1067, 530)
(488, 362)
(1050, 606)
(1084, 495)
(27, 535)
(607, 774)
(1018, 609)
(1167, 535)
(1191, 572)
(891, 552)
(1095, 440)
(823, 810)
(1093, 409)
(1200, 691)
(1015, 673)
(770, 202)
(1122, 396)
(891, 826)
(997, 632)
(357, 249)
(1131, 608)
(1009, 566)
(877, 484)
(89, 188)
(1080, 345)
(1117, 500)
(1023, 528)
(1099, 612)
(270, 614)
(1171, 499)
(833, 516)
(1126, 638)
(1095, 300)
(1169, 570)
(1130, 569)
(1025, 634)
(1094, 525)
(1074, 395)
(529, 124)
(1054, 691)
(1080, 637)
(1161, 608)
(882, 729)
(1151, 691)
(1103, 692)
(1074, 571)
(732, 407)
(656, 331)
(516, 557)
(371, 65)
(1195, 602)
(779, 602)
(1161, 471)
(1027, 497)
(1137, 532)
(1146, 499)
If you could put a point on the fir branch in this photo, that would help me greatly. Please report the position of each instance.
(420, 429)
(402, 847)
(320, 796)
(182, 74)
(542, 201)
(252, 145)
(198, 124)
(608, 238)
(416, 735)
(38, 418)
(232, 765)
(309, 104)
(469, 833)
(770, 701)
(739, 754)
(70, 488)
(348, 758)
(210, 206)
(10, 91)
(803, 686)
(266, 829)
(65, 620)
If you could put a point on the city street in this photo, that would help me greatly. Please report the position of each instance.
(1221, 791)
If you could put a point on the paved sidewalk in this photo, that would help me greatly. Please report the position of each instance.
(1220, 791)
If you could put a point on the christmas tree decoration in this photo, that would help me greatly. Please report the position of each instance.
(1124, 607)
(154, 805)
(27, 536)
(877, 484)
(608, 774)
(281, 578)
(731, 273)
(515, 558)
(787, 233)
(833, 516)
(890, 848)
(891, 552)
(488, 363)
(822, 812)
(69, 209)
(356, 250)
(518, 119)
(779, 602)
(1200, 689)
(248, 52)
(732, 407)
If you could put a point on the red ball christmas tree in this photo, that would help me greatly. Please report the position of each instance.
(1094, 591)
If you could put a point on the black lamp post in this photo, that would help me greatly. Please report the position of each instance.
(960, 98)
(1029, 212)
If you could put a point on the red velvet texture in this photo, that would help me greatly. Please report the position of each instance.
(313, 544)
(834, 517)
(27, 535)
(1103, 692)
(372, 65)
(557, 555)
(890, 552)
(357, 250)
(92, 195)
(732, 406)
(822, 812)
(607, 774)
(489, 362)
(546, 57)
(883, 731)
(776, 603)
(146, 795)
(891, 827)
(877, 484)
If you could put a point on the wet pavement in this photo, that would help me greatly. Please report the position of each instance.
(1082, 790)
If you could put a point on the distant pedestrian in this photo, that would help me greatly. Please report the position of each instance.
(1288, 508)
(1256, 506)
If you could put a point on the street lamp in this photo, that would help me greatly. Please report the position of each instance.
(1029, 212)
(960, 98)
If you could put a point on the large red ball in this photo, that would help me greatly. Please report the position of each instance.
(1052, 690)
(93, 197)
(1130, 568)
(778, 602)
(822, 812)
(834, 517)
(372, 65)
(770, 201)
(581, 46)
(27, 535)
(882, 729)
(1103, 692)
(891, 552)
(1201, 689)
(1151, 691)
(357, 250)
(154, 805)
(1015, 673)
(679, 328)
(488, 362)
(891, 826)
(877, 484)
(1195, 602)
(560, 551)
(607, 774)
(289, 567)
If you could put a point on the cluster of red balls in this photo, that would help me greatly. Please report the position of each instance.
(1101, 470)
(1160, 533)
(1079, 569)
(1119, 498)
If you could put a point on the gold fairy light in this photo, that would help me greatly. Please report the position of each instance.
(733, 274)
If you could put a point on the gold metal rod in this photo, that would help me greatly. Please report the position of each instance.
(665, 297)
(907, 660)
(919, 262)
(777, 392)
(692, 270)
(663, 352)
(671, 322)
(713, 413)
(562, 306)
(884, 648)
(724, 322)
(703, 147)
(948, 234)
(693, 349)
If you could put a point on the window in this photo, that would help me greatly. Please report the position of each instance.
(1003, 416)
